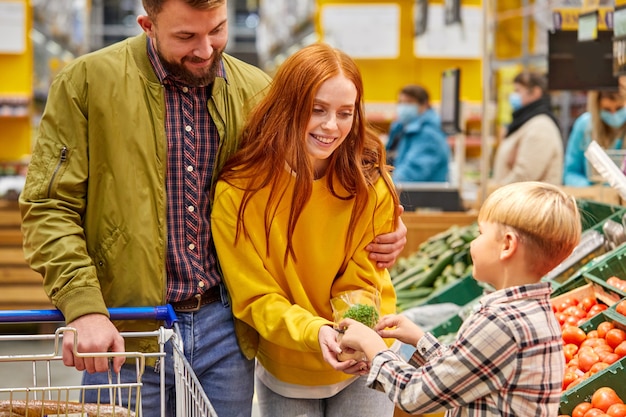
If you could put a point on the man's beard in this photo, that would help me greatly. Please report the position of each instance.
(178, 70)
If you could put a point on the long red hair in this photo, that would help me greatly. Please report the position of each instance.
(274, 134)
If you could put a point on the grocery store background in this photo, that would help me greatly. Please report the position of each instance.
(394, 43)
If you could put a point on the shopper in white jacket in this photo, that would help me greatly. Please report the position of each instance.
(532, 149)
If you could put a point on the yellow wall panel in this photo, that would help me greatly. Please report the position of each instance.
(384, 77)
(15, 138)
(509, 34)
(16, 80)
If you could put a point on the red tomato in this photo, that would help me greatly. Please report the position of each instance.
(567, 302)
(596, 309)
(581, 409)
(569, 350)
(614, 337)
(587, 302)
(620, 349)
(616, 282)
(605, 397)
(597, 367)
(604, 327)
(621, 307)
(593, 342)
(592, 334)
(571, 321)
(574, 335)
(586, 359)
(617, 410)
(576, 381)
(560, 317)
(568, 378)
(575, 311)
(610, 358)
(594, 412)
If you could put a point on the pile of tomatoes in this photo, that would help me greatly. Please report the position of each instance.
(604, 403)
(587, 352)
(574, 312)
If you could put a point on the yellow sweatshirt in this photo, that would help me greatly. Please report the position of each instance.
(288, 304)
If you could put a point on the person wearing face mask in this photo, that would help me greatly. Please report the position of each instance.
(417, 147)
(532, 149)
(604, 122)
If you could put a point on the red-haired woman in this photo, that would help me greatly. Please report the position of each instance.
(293, 212)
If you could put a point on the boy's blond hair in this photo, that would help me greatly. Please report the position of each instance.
(546, 219)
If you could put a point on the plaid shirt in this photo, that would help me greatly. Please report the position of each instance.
(507, 360)
(192, 143)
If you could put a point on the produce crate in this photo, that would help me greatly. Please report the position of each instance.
(581, 288)
(612, 312)
(614, 264)
(449, 326)
(459, 292)
(613, 376)
(592, 212)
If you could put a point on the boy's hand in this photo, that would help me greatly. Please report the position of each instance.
(399, 327)
(357, 336)
(386, 248)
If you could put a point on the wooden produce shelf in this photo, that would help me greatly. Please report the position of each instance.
(422, 225)
(21, 288)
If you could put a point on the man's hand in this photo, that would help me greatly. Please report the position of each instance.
(95, 333)
(386, 248)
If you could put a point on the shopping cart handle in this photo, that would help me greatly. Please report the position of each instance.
(165, 313)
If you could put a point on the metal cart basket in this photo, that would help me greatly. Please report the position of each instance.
(46, 397)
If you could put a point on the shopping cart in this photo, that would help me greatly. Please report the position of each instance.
(45, 396)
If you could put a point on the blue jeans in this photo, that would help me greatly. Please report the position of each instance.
(211, 348)
(355, 400)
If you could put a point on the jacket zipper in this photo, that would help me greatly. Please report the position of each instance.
(62, 159)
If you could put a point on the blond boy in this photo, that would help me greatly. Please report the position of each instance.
(507, 358)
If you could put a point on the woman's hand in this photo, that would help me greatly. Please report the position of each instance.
(327, 337)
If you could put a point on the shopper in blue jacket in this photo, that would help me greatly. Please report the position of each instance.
(417, 146)
(605, 122)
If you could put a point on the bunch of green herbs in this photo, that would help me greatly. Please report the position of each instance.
(363, 313)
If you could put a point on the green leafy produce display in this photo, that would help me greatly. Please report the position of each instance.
(363, 313)
(439, 261)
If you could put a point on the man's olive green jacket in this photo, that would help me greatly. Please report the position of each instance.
(94, 204)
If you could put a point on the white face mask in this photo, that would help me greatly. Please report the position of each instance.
(406, 112)
(515, 100)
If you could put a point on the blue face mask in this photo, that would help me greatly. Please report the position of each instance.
(515, 100)
(614, 120)
(406, 112)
